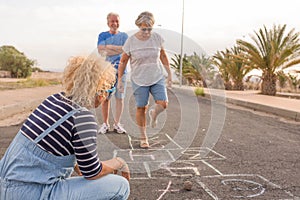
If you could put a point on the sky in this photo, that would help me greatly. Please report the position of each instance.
(52, 31)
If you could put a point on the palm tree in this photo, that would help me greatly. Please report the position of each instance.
(189, 72)
(176, 64)
(233, 67)
(237, 67)
(272, 51)
(203, 65)
(221, 61)
(282, 78)
(293, 81)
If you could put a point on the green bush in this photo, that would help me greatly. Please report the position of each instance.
(15, 62)
(199, 91)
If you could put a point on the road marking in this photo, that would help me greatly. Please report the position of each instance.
(171, 155)
(247, 188)
(147, 169)
(194, 169)
(248, 181)
(239, 189)
(276, 186)
(209, 165)
(165, 191)
(207, 190)
(130, 155)
(130, 142)
(171, 139)
(216, 153)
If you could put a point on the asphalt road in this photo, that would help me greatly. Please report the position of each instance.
(226, 152)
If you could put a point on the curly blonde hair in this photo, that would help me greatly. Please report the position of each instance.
(84, 76)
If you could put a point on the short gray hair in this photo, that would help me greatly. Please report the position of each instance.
(145, 17)
(112, 14)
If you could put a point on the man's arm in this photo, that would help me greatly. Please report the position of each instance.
(110, 50)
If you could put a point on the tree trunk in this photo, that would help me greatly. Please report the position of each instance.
(268, 86)
(228, 85)
(238, 85)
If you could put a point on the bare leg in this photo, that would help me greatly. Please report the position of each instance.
(141, 122)
(159, 107)
(105, 111)
(119, 110)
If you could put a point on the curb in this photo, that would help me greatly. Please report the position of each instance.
(14, 109)
(268, 109)
(289, 114)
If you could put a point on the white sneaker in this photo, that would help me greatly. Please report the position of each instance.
(103, 129)
(119, 128)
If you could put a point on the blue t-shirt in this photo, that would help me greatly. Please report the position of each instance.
(106, 38)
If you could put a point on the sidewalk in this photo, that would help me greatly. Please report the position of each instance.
(281, 106)
(15, 105)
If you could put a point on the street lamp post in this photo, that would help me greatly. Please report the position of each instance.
(181, 47)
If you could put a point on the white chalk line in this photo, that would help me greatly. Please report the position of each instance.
(200, 159)
(224, 182)
(130, 142)
(274, 185)
(168, 151)
(171, 155)
(171, 139)
(207, 190)
(130, 155)
(194, 169)
(251, 175)
(212, 167)
(165, 191)
(147, 169)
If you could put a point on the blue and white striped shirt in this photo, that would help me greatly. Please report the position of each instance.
(77, 135)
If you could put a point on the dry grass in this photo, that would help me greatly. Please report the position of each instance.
(37, 79)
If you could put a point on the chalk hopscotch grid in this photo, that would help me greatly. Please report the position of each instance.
(190, 155)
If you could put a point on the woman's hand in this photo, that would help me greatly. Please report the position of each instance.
(123, 168)
(114, 165)
(77, 170)
(120, 86)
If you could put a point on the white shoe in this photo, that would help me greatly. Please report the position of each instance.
(103, 129)
(119, 128)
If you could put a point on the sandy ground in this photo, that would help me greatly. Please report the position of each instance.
(16, 105)
(11, 100)
(35, 75)
(6, 80)
(15, 119)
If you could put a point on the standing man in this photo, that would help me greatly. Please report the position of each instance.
(110, 44)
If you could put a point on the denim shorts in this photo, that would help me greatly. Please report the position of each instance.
(157, 90)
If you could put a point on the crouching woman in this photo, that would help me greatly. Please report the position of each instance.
(61, 135)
